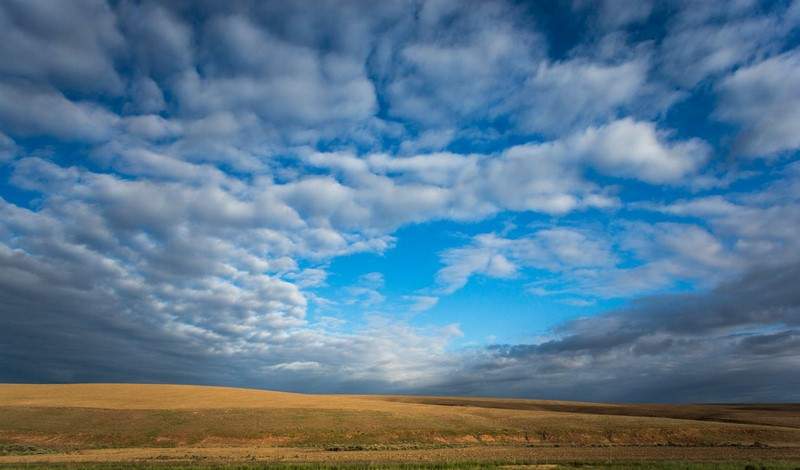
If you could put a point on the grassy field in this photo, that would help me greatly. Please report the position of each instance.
(156, 424)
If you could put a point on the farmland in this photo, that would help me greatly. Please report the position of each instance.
(170, 424)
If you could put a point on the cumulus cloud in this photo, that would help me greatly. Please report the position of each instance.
(626, 148)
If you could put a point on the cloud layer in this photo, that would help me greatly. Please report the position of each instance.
(182, 186)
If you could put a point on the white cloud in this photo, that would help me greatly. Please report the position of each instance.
(563, 96)
(765, 103)
(382, 191)
(295, 366)
(139, 243)
(429, 140)
(694, 53)
(422, 302)
(460, 63)
(366, 291)
(33, 111)
(556, 249)
(8, 148)
(760, 226)
(289, 87)
(628, 258)
(71, 46)
(710, 39)
(627, 148)
(624, 148)
(309, 277)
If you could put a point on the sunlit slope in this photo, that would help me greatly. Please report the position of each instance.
(159, 397)
(66, 417)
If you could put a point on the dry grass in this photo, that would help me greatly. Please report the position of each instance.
(147, 421)
(472, 454)
(163, 397)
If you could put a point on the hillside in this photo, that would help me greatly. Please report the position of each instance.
(48, 420)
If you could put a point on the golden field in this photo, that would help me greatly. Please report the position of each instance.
(123, 422)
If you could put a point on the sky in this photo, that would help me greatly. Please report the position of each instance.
(584, 200)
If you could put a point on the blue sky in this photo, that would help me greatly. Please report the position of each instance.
(567, 199)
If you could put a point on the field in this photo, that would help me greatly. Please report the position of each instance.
(172, 425)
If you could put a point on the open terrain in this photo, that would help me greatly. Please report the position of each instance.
(172, 424)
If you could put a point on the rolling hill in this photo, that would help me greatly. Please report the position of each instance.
(52, 422)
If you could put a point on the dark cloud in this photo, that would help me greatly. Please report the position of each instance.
(71, 46)
(57, 327)
(737, 342)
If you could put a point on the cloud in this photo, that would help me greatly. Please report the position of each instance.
(713, 240)
(366, 291)
(386, 192)
(137, 281)
(734, 343)
(8, 148)
(149, 233)
(145, 96)
(557, 249)
(234, 104)
(485, 65)
(713, 39)
(761, 100)
(33, 111)
(617, 13)
(564, 96)
(304, 91)
(177, 183)
(160, 41)
(75, 315)
(459, 64)
(423, 302)
(72, 47)
(295, 366)
(626, 148)
(151, 127)
(759, 225)
(310, 277)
